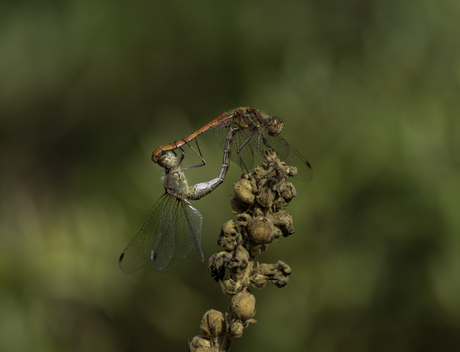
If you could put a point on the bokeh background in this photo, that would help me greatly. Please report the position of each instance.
(369, 91)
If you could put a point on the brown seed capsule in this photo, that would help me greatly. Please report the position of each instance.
(236, 329)
(287, 191)
(238, 259)
(243, 191)
(291, 171)
(216, 265)
(283, 220)
(228, 235)
(258, 280)
(265, 197)
(199, 342)
(243, 305)
(261, 230)
(236, 205)
(213, 324)
(230, 287)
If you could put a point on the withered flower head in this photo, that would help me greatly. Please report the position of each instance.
(261, 230)
(213, 324)
(244, 191)
(243, 305)
(198, 343)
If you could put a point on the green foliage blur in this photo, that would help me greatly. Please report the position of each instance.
(369, 92)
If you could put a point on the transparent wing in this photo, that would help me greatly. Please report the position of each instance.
(137, 254)
(252, 153)
(290, 156)
(179, 231)
(172, 228)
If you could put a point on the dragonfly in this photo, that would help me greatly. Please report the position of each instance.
(256, 133)
(173, 226)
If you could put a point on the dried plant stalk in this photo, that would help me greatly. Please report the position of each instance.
(259, 203)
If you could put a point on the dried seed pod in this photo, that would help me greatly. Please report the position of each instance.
(236, 329)
(291, 171)
(258, 280)
(277, 232)
(237, 263)
(261, 230)
(213, 324)
(237, 206)
(228, 235)
(278, 274)
(238, 258)
(265, 197)
(243, 305)
(256, 250)
(216, 265)
(258, 171)
(230, 287)
(199, 342)
(283, 220)
(258, 212)
(287, 191)
(243, 191)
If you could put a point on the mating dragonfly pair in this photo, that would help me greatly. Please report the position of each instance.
(173, 227)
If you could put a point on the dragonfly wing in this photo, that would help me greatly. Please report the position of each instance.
(164, 245)
(178, 233)
(195, 225)
(137, 254)
(291, 157)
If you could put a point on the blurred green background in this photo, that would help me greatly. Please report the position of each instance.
(369, 91)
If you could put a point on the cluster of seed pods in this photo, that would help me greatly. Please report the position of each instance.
(259, 204)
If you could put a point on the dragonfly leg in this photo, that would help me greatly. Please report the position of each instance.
(197, 153)
(242, 165)
(182, 154)
(265, 141)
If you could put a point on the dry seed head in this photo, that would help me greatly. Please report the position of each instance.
(278, 274)
(243, 305)
(216, 265)
(265, 197)
(230, 287)
(258, 171)
(283, 221)
(236, 205)
(243, 191)
(238, 262)
(236, 329)
(261, 230)
(291, 171)
(228, 235)
(199, 342)
(259, 281)
(213, 324)
(287, 191)
(256, 250)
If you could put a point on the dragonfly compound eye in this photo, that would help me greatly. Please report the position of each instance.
(275, 125)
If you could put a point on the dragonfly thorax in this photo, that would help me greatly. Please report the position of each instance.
(176, 183)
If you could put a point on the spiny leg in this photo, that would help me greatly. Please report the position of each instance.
(197, 153)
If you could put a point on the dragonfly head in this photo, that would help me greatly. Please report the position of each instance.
(275, 125)
(168, 160)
